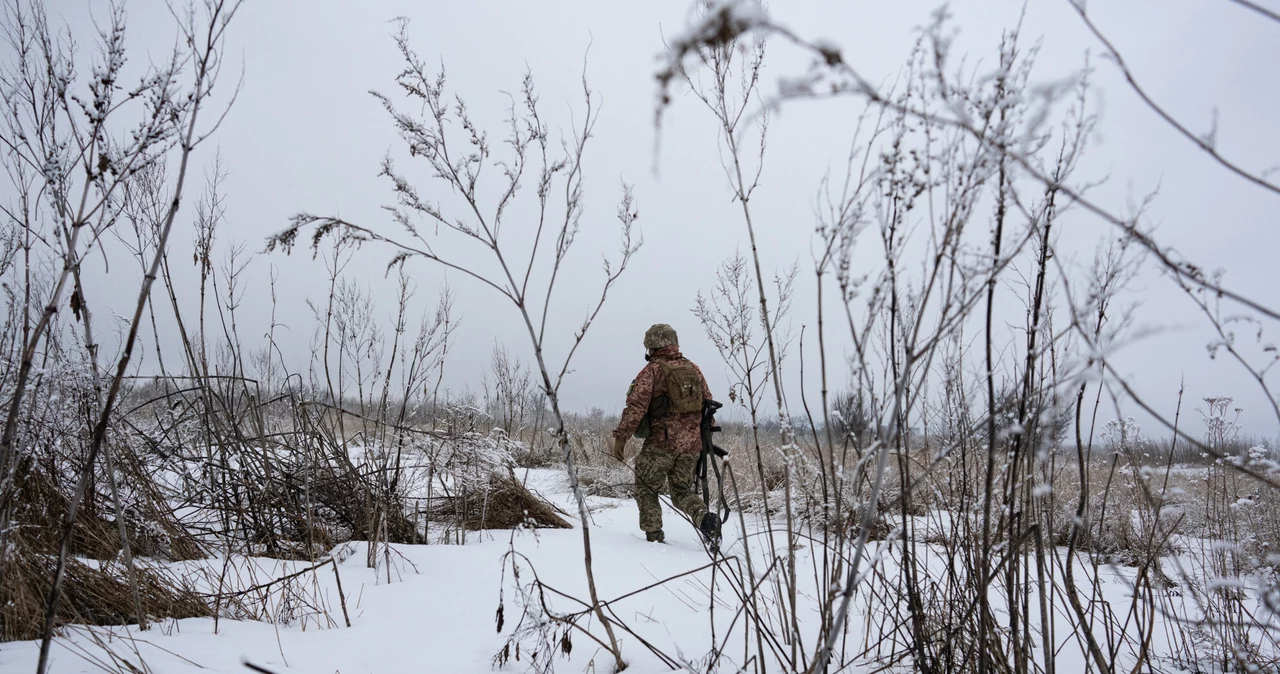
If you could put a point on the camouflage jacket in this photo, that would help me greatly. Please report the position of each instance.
(679, 432)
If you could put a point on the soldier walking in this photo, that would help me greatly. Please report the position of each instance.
(664, 406)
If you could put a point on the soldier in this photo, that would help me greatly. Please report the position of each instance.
(664, 406)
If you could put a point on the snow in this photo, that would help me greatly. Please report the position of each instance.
(440, 618)
(438, 611)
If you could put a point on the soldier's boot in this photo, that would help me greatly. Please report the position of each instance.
(710, 528)
(655, 536)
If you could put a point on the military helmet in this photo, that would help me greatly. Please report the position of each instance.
(660, 335)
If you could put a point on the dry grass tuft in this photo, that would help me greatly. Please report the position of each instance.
(616, 481)
(91, 594)
(506, 504)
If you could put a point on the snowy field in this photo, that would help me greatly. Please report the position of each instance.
(438, 612)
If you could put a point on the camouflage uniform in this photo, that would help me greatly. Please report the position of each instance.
(670, 453)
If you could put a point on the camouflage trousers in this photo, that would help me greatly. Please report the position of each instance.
(659, 468)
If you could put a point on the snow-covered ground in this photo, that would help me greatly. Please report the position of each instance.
(439, 617)
(438, 612)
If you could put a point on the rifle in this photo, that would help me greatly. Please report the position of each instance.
(709, 408)
(710, 451)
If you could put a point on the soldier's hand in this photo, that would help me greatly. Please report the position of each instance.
(619, 448)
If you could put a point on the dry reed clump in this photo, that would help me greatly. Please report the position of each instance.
(530, 455)
(1259, 518)
(506, 504)
(303, 540)
(343, 500)
(95, 594)
(919, 500)
(809, 513)
(39, 500)
(158, 536)
(844, 510)
(91, 594)
(152, 525)
(616, 481)
(40, 506)
(881, 526)
(775, 473)
(1136, 504)
(1121, 525)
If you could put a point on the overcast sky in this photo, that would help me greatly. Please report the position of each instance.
(305, 135)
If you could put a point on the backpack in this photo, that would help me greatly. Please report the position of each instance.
(684, 388)
(684, 395)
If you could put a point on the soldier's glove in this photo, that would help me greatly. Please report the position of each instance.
(619, 447)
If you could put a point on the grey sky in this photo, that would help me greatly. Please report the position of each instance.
(306, 135)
